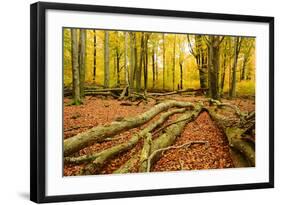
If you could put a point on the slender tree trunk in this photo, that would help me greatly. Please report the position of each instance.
(174, 62)
(156, 63)
(224, 65)
(82, 60)
(95, 57)
(164, 59)
(223, 73)
(75, 68)
(132, 61)
(118, 68)
(126, 60)
(181, 76)
(153, 66)
(145, 67)
(245, 61)
(106, 59)
(237, 45)
(139, 67)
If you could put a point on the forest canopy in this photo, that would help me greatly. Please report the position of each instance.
(149, 61)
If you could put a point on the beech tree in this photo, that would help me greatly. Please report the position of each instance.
(106, 59)
(237, 46)
(75, 68)
(82, 60)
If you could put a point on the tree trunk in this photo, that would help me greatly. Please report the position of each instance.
(75, 68)
(139, 67)
(106, 59)
(214, 63)
(245, 61)
(223, 68)
(174, 62)
(153, 66)
(82, 60)
(95, 57)
(89, 137)
(117, 68)
(200, 54)
(126, 60)
(164, 59)
(181, 76)
(145, 65)
(132, 61)
(237, 45)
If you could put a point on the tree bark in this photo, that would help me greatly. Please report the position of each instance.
(172, 132)
(106, 59)
(181, 77)
(89, 137)
(214, 64)
(82, 60)
(139, 67)
(164, 60)
(140, 159)
(95, 57)
(132, 62)
(237, 46)
(174, 61)
(234, 134)
(200, 54)
(126, 71)
(75, 68)
(99, 159)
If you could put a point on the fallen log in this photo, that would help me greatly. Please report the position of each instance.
(177, 92)
(89, 137)
(96, 91)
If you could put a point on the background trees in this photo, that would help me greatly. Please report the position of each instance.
(144, 62)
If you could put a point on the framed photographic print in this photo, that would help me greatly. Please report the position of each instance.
(129, 102)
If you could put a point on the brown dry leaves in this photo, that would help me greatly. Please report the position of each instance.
(197, 156)
(99, 111)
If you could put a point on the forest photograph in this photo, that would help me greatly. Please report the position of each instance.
(139, 101)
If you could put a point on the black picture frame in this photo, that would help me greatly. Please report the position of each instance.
(38, 100)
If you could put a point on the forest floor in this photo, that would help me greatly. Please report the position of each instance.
(102, 110)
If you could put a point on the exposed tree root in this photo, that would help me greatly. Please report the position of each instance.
(99, 159)
(237, 111)
(234, 134)
(164, 140)
(238, 132)
(89, 137)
